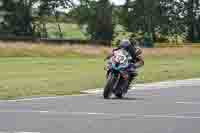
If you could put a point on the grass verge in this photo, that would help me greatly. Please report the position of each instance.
(50, 71)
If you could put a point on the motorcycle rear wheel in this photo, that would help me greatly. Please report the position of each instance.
(122, 89)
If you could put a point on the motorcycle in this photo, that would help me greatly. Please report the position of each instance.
(118, 67)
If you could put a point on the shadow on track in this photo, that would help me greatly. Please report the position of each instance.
(128, 99)
(125, 99)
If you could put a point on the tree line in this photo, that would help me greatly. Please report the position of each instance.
(99, 18)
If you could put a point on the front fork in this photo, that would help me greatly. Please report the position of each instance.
(118, 79)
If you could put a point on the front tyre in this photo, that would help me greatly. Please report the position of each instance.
(119, 95)
(109, 86)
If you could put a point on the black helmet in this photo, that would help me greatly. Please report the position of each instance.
(125, 43)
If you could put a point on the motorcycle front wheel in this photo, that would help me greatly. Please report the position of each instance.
(109, 86)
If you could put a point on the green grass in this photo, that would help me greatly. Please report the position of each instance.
(50, 76)
(169, 68)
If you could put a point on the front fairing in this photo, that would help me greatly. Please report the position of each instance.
(118, 69)
(119, 62)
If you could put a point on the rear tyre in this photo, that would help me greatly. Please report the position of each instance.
(108, 88)
(122, 89)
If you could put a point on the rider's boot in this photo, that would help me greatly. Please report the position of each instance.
(132, 77)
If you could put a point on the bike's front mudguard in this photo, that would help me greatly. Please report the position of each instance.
(124, 74)
(121, 81)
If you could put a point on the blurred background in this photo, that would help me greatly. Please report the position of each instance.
(149, 21)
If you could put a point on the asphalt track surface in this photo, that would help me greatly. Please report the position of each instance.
(162, 110)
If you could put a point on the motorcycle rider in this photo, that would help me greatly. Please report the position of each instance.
(133, 48)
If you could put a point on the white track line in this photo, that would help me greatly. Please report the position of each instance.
(148, 86)
(191, 103)
(154, 86)
(120, 115)
(26, 132)
(19, 132)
